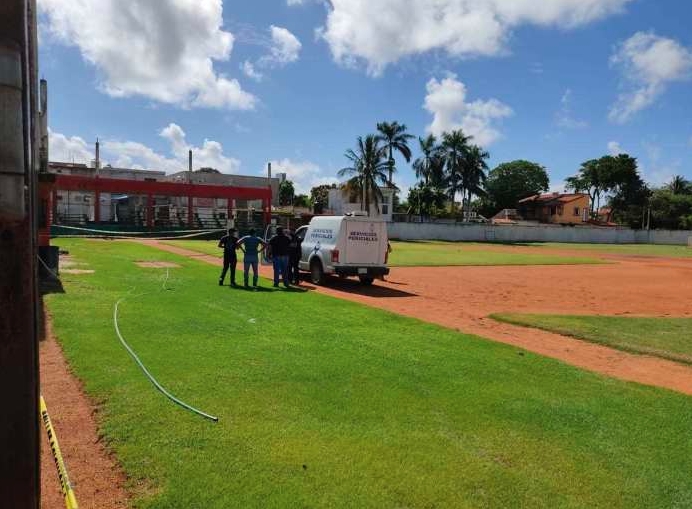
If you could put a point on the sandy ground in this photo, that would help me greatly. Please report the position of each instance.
(462, 298)
(95, 476)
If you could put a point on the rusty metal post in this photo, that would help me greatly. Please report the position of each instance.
(19, 424)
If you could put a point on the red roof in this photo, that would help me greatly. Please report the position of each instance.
(550, 198)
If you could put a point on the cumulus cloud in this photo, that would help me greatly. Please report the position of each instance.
(164, 51)
(304, 174)
(72, 149)
(285, 46)
(133, 154)
(249, 70)
(282, 48)
(614, 148)
(648, 63)
(565, 117)
(446, 100)
(378, 33)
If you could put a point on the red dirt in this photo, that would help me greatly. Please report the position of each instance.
(97, 480)
(463, 297)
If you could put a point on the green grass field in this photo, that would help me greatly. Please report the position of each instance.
(623, 249)
(429, 253)
(669, 338)
(328, 403)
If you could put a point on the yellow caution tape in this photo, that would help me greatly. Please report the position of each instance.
(66, 487)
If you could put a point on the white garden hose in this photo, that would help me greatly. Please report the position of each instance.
(146, 371)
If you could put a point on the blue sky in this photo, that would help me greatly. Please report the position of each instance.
(296, 81)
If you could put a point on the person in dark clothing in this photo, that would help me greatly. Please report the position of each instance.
(279, 250)
(229, 243)
(294, 254)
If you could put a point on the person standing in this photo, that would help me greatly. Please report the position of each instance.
(251, 246)
(279, 250)
(229, 243)
(294, 255)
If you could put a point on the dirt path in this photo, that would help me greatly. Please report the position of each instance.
(463, 297)
(96, 478)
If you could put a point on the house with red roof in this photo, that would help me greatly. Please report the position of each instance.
(555, 208)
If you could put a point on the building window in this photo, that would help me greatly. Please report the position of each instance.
(577, 212)
(553, 211)
(385, 209)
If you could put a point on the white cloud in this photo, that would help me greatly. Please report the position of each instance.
(164, 51)
(304, 174)
(446, 100)
(72, 149)
(649, 63)
(249, 70)
(285, 46)
(282, 48)
(132, 154)
(564, 117)
(379, 33)
(614, 148)
(656, 171)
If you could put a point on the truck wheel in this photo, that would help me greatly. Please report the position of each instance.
(366, 280)
(316, 273)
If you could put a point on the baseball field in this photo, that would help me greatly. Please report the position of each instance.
(476, 375)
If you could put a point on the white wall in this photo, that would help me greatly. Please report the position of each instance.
(519, 233)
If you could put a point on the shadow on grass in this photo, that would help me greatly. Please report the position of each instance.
(354, 286)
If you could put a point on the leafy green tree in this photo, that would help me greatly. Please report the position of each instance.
(426, 200)
(453, 150)
(393, 137)
(628, 192)
(319, 196)
(286, 192)
(301, 200)
(591, 179)
(510, 182)
(367, 170)
(671, 210)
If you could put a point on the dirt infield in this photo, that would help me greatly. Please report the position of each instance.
(97, 480)
(463, 297)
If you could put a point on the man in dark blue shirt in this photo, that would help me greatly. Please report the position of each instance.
(229, 243)
(294, 254)
(279, 246)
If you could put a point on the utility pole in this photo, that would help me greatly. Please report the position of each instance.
(189, 166)
(19, 424)
(97, 161)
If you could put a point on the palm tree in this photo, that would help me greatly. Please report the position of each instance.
(678, 185)
(367, 171)
(473, 176)
(453, 150)
(429, 165)
(394, 137)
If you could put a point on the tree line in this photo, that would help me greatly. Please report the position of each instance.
(452, 167)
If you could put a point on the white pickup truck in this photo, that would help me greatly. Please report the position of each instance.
(345, 246)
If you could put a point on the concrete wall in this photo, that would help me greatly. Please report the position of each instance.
(520, 233)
